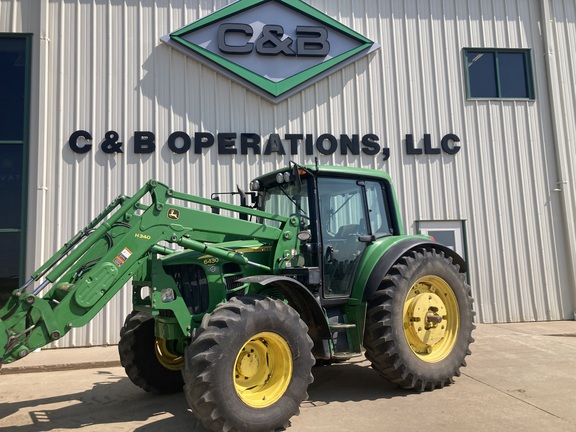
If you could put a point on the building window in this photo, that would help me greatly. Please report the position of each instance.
(14, 91)
(448, 233)
(498, 73)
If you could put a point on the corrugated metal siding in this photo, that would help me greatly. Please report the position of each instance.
(500, 182)
(560, 37)
(17, 16)
(104, 68)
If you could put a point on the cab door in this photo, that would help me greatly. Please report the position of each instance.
(352, 214)
(343, 220)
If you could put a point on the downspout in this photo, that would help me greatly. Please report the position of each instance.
(563, 186)
(37, 136)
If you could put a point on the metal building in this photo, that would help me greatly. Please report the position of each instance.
(469, 105)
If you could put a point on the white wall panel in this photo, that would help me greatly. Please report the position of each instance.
(106, 69)
(559, 35)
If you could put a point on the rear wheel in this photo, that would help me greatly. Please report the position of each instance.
(249, 367)
(150, 363)
(419, 322)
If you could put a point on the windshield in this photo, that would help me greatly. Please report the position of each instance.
(286, 200)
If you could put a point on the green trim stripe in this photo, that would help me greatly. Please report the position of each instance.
(243, 5)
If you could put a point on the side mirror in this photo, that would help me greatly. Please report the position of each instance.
(243, 202)
(297, 179)
(216, 210)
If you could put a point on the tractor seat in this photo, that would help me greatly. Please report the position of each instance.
(347, 230)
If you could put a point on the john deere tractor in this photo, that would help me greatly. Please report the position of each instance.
(235, 303)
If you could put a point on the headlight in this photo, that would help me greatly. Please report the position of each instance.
(255, 185)
(167, 295)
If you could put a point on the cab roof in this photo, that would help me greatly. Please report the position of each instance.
(336, 171)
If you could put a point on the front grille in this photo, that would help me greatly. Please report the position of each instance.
(232, 272)
(193, 286)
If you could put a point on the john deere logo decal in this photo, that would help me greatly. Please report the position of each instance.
(274, 47)
(173, 214)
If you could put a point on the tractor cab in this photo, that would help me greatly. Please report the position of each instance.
(341, 211)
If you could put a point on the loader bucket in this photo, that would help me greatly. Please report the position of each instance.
(3, 341)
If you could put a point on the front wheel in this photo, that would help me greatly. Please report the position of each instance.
(249, 367)
(419, 323)
(151, 363)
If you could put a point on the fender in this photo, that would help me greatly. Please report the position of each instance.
(392, 255)
(300, 298)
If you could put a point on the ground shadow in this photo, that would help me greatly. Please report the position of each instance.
(115, 400)
(112, 400)
(353, 381)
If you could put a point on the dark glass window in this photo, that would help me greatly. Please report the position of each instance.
(14, 73)
(12, 87)
(499, 74)
(513, 82)
(11, 186)
(482, 74)
(447, 238)
(9, 270)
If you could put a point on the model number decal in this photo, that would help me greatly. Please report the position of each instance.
(142, 236)
(211, 260)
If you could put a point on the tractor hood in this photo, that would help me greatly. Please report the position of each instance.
(254, 250)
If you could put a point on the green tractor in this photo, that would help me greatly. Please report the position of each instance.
(234, 304)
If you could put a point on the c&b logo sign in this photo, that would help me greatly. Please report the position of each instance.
(274, 47)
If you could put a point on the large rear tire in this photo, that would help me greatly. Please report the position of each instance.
(148, 361)
(419, 322)
(249, 366)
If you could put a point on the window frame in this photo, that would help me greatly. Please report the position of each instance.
(528, 73)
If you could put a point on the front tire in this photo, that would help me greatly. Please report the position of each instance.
(249, 367)
(147, 360)
(419, 322)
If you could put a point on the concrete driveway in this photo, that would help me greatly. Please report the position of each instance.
(520, 377)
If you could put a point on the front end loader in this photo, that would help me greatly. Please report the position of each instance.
(234, 304)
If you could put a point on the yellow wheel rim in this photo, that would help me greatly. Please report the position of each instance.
(169, 360)
(431, 319)
(263, 370)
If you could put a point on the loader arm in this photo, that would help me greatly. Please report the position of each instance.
(94, 265)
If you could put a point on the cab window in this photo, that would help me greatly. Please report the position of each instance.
(379, 215)
(286, 200)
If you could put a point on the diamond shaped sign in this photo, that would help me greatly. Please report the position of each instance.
(274, 47)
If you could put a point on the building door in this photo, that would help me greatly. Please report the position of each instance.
(449, 233)
(14, 73)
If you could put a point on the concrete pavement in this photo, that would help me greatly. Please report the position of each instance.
(519, 377)
(47, 360)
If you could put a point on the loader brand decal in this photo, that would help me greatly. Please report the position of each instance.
(232, 143)
(173, 214)
(122, 257)
(273, 47)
